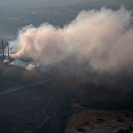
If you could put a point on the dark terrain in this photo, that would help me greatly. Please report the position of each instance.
(43, 107)
(28, 105)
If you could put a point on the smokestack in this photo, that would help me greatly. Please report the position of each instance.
(8, 48)
(2, 48)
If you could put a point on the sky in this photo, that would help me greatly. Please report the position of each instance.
(39, 3)
(29, 3)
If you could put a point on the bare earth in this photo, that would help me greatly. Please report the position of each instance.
(100, 121)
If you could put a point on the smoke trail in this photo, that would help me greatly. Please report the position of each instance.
(101, 39)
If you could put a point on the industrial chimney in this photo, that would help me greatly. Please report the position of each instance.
(2, 48)
(8, 49)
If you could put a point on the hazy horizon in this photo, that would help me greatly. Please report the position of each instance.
(16, 14)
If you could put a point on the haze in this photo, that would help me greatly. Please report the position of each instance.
(15, 14)
(70, 64)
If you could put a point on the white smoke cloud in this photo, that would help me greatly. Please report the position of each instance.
(28, 65)
(18, 62)
(6, 60)
(102, 39)
(31, 67)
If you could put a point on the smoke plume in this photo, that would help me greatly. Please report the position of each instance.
(103, 40)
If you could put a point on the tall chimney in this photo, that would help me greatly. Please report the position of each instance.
(8, 48)
(2, 48)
